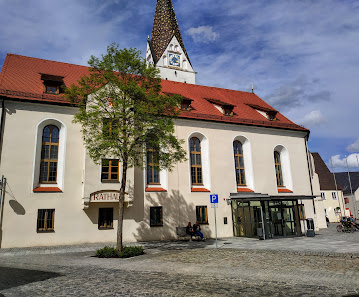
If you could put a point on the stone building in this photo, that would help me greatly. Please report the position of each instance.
(238, 146)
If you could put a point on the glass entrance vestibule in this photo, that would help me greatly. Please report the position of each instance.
(267, 219)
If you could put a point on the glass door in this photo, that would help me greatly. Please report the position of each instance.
(282, 216)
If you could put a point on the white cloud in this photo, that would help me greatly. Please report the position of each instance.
(312, 119)
(203, 34)
(341, 163)
(354, 147)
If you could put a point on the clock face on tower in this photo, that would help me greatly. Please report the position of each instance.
(174, 60)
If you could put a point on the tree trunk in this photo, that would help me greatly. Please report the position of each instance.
(121, 206)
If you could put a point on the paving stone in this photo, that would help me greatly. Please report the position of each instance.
(269, 268)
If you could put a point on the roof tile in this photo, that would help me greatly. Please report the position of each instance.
(20, 78)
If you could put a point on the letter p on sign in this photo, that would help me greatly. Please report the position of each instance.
(214, 198)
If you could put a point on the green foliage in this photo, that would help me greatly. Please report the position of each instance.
(122, 112)
(123, 89)
(127, 252)
(107, 252)
(131, 251)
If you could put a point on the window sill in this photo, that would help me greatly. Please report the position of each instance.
(45, 231)
(47, 190)
(240, 190)
(200, 190)
(282, 190)
(110, 181)
(155, 190)
(104, 228)
(156, 225)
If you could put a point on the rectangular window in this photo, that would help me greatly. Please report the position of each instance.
(334, 196)
(301, 212)
(109, 170)
(156, 216)
(51, 88)
(322, 195)
(105, 218)
(45, 220)
(201, 214)
(109, 127)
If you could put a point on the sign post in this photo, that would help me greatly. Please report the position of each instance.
(214, 204)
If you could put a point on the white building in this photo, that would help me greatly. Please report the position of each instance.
(238, 146)
(350, 188)
(331, 193)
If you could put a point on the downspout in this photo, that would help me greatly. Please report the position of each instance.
(310, 171)
(2, 123)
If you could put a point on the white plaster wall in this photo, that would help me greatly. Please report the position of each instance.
(75, 225)
(330, 204)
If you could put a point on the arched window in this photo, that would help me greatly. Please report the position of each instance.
(153, 172)
(196, 162)
(239, 163)
(49, 154)
(278, 169)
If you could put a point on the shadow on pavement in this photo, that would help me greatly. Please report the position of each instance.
(14, 277)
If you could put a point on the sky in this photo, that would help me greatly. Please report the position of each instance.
(301, 56)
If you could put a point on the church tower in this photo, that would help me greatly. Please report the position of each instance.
(166, 49)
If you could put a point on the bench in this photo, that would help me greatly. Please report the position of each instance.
(182, 235)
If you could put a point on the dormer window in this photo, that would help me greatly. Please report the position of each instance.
(227, 111)
(52, 83)
(223, 107)
(186, 104)
(269, 114)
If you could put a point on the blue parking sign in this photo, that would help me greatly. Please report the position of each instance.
(214, 198)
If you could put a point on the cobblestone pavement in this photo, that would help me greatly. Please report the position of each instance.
(188, 269)
(195, 272)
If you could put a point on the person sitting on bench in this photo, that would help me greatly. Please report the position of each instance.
(189, 230)
(197, 230)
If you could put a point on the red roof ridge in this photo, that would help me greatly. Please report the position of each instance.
(47, 60)
(211, 87)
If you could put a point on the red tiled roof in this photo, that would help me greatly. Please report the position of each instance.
(20, 78)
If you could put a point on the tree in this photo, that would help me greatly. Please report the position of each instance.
(122, 111)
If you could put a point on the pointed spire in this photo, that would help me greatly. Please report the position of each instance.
(165, 26)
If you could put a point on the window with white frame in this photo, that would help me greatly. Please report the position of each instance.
(334, 195)
(199, 162)
(239, 163)
(49, 155)
(282, 168)
(322, 194)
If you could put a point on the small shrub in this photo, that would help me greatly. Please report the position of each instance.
(107, 252)
(127, 252)
(131, 251)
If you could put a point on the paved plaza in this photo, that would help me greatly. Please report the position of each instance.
(239, 267)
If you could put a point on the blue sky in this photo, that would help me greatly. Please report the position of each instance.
(301, 56)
